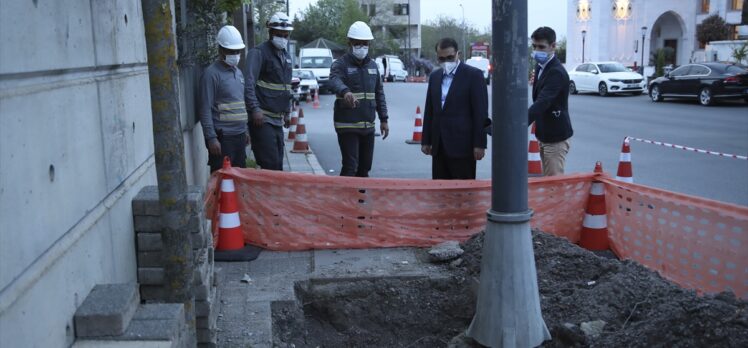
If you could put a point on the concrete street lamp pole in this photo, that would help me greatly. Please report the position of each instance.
(644, 33)
(464, 48)
(508, 307)
(584, 34)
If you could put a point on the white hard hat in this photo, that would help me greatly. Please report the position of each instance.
(360, 31)
(280, 21)
(228, 37)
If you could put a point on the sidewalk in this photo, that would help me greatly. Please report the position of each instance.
(248, 289)
(300, 162)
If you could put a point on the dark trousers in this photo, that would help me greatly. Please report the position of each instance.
(232, 146)
(357, 150)
(443, 167)
(268, 146)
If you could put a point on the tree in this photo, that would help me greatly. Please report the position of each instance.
(713, 28)
(739, 53)
(263, 10)
(443, 27)
(327, 19)
(660, 63)
(351, 13)
(561, 50)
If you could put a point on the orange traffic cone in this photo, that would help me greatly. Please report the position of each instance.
(625, 170)
(301, 145)
(417, 128)
(294, 122)
(534, 166)
(595, 225)
(316, 100)
(309, 96)
(229, 228)
(230, 245)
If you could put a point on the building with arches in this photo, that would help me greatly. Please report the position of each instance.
(612, 30)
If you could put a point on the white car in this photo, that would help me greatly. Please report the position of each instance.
(605, 78)
(308, 82)
(483, 64)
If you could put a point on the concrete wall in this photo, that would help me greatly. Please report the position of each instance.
(721, 51)
(75, 147)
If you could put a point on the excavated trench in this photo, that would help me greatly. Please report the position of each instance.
(637, 307)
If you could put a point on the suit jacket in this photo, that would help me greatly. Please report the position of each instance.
(459, 125)
(550, 108)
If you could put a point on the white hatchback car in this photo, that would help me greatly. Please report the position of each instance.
(605, 78)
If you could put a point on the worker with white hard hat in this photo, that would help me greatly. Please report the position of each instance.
(269, 93)
(221, 107)
(355, 80)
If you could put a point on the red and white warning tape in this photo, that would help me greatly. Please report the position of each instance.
(681, 147)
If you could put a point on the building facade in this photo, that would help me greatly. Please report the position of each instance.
(76, 145)
(397, 20)
(627, 30)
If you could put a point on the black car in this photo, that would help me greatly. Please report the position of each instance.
(706, 82)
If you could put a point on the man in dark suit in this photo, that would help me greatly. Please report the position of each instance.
(550, 108)
(455, 116)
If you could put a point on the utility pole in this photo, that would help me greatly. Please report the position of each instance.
(161, 43)
(410, 63)
(464, 48)
(508, 307)
(250, 39)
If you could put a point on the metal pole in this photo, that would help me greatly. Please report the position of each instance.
(409, 43)
(158, 17)
(584, 35)
(642, 64)
(464, 48)
(250, 39)
(288, 12)
(508, 307)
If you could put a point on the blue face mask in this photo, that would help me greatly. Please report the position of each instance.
(540, 56)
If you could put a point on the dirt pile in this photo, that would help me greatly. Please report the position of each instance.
(639, 308)
(625, 305)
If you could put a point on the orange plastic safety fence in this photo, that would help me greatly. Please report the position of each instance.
(698, 243)
(291, 211)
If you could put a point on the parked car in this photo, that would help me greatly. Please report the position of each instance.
(308, 83)
(319, 61)
(483, 64)
(605, 78)
(706, 82)
(395, 69)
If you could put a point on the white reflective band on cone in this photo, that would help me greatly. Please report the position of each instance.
(625, 157)
(533, 156)
(598, 189)
(419, 129)
(293, 128)
(229, 220)
(301, 137)
(227, 185)
(595, 221)
(626, 179)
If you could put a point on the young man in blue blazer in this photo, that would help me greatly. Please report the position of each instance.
(550, 108)
(455, 116)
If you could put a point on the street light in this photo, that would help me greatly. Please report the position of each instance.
(508, 312)
(584, 34)
(410, 46)
(463, 28)
(644, 33)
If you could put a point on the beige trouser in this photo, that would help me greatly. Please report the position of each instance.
(553, 157)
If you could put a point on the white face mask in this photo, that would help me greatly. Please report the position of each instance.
(232, 59)
(360, 52)
(448, 67)
(280, 42)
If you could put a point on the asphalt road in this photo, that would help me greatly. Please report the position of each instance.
(600, 124)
